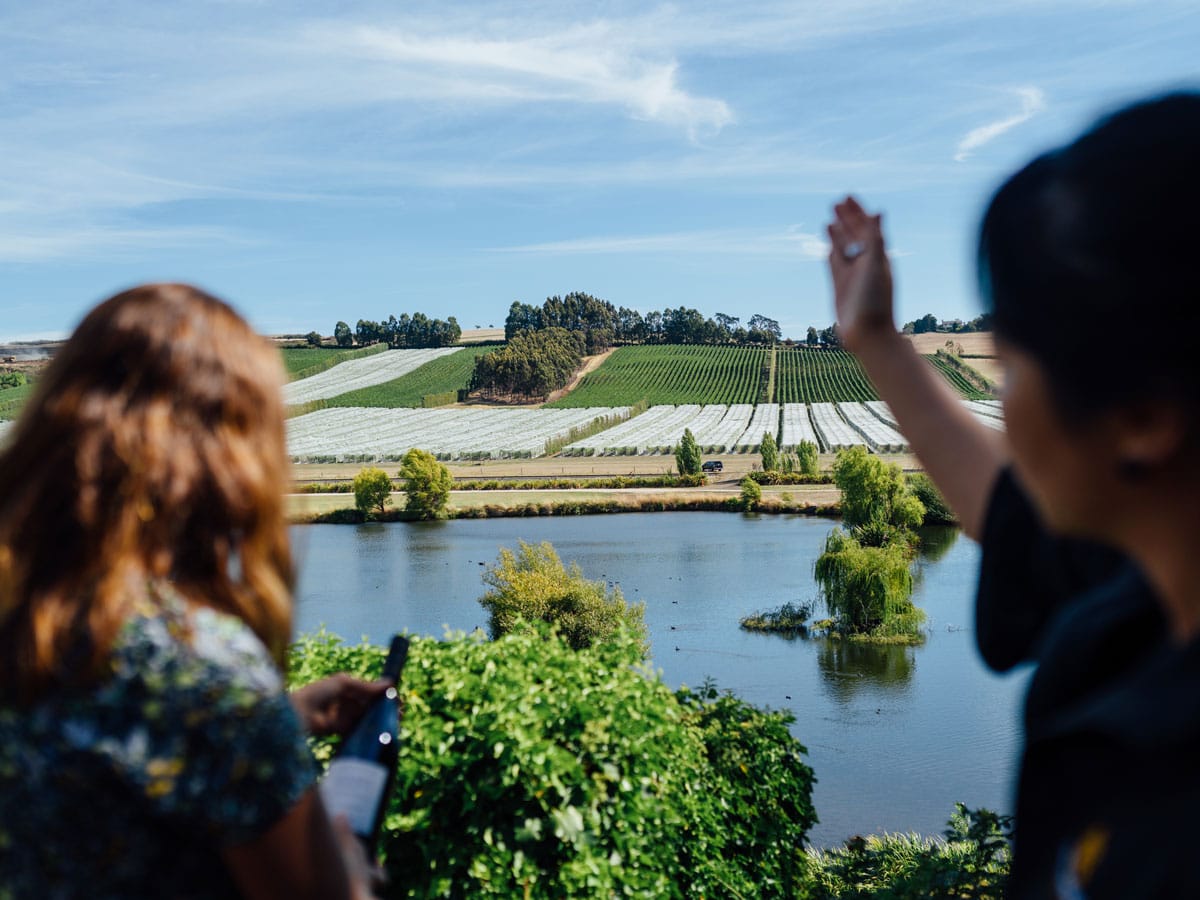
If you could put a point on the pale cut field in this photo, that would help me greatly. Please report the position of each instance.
(988, 368)
(479, 335)
(976, 343)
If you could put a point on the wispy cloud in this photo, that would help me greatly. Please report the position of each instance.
(1033, 101)
(791, 242)
(581, 63)
(81, 242)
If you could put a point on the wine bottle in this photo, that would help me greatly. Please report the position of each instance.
(359, 779)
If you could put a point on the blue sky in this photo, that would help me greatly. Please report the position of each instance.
(320, 161)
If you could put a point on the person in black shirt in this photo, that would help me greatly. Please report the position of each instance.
(1088, 507)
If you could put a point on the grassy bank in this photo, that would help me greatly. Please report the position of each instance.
(337, 509)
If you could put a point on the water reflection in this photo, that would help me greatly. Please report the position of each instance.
(936, 541)
(849, 667)
(893, 748)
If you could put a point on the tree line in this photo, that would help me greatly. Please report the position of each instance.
(930, 323)
(602, 324)
(407, 332)
(531, 365)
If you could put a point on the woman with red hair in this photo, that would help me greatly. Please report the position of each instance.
(147, 746)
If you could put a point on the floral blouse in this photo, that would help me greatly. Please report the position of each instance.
(132, 789)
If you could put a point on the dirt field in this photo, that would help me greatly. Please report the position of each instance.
(988, 368)
(975, 343)
(590, 364)
(479, 335)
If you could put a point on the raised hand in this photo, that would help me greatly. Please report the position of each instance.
(862, 275)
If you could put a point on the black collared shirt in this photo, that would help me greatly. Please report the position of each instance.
(1108, 803)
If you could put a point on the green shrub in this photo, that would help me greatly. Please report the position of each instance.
(372, 491)
(531, 769)
(687, 454)
(791, 618)
(872, 489)
(937, 511)
(770, 452)
(751, 494)
(533, 585)
(789, 478)
(806, 458)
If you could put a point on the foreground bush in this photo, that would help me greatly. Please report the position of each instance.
(530, 769)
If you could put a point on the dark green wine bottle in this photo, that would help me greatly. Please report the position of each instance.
(360, 777)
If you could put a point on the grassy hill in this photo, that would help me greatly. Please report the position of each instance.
(437, 379)
(12, 399)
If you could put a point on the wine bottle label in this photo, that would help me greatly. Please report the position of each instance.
(353, 788)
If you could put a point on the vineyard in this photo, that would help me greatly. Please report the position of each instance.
(363, 372)
(385, 435)
(361, 434)
(669, 375)
(806, 375)
(301, 362)
(956, 379)
(674, 374)
(443, 376)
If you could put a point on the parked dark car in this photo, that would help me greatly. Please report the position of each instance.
(713, 465)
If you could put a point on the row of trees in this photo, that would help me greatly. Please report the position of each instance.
(603, 324)
(803, 462)
(930, 323)
(530, 366)
(407, 332)
(426, 482)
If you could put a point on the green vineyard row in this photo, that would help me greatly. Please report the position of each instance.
(671, 375)
(443, 375)
(956, 379)
(666, 375)
(304, 362)
(696, 374)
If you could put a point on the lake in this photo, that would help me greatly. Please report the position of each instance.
(895, 735)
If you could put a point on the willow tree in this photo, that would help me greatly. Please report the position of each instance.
(868, 590)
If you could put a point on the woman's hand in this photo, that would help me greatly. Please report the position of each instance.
(862, 276)
(334, 705)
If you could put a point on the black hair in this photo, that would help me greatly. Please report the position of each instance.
(1089, 259)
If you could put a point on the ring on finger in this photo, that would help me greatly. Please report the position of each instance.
(853, 250)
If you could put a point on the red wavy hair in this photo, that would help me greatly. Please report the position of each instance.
(153, 448)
